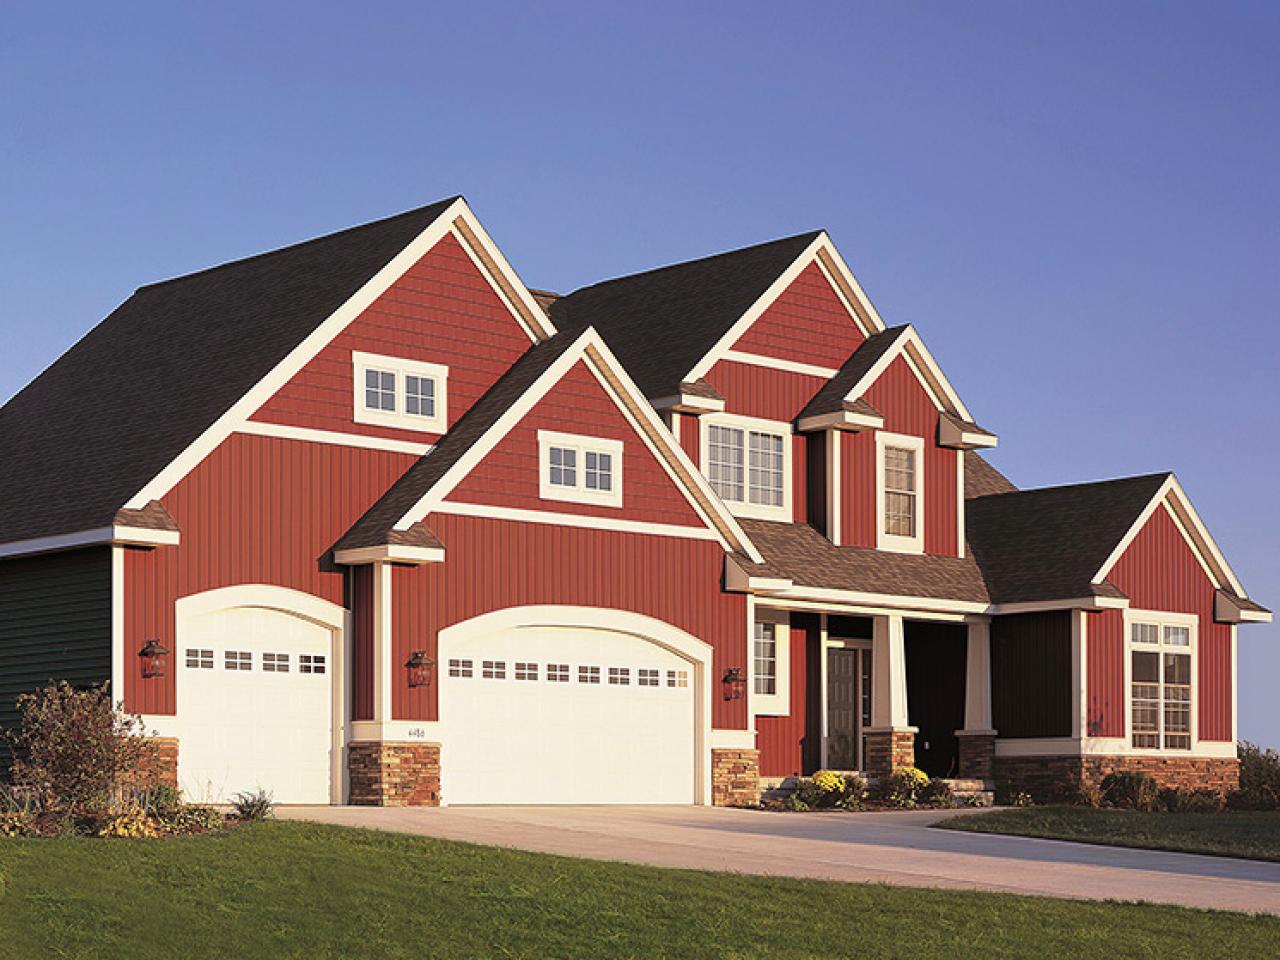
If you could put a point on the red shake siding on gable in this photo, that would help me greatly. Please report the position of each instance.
(808, 323)
(442, 310)
(495, 564)
(789, 745)
(256, 510)
(908, 410)
(1159, 571)
(508, 475)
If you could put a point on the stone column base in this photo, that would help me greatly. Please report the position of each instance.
(394, 774)
(735, 778)
(977, 755)
(887, 750)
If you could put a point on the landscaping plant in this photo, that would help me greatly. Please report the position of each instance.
(1259, 779)
(253, 807)
(1130, 791)
(905, 787)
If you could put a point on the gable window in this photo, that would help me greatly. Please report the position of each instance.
(899, 493)
(1161, 677)
(747, 463)
(580, 469)
(395, 392)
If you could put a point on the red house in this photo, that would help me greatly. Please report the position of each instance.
(366, 520)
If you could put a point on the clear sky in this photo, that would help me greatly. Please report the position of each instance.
(1076, 204)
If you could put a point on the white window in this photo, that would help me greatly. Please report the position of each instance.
(770, 674)
(275, 663)
(647, 678)
(461, 668)
(899, 493)
(494, 670)
(395, 392)
(310, 663)
(766, 658)
(558, 672)
(200, 659)
(620, 676)
(580, 469)
(237, 660)
(588, 674)
(748, 464)
(1161, 679)
(526, 671)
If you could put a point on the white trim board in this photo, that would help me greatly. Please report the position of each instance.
(584, 521)
(281, 431)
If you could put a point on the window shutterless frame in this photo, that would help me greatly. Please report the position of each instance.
(1161, 682)
(401, 393)
(747, 461)
(899, 492)
(578, 469)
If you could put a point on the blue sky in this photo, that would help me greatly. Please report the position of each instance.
(1076, 204)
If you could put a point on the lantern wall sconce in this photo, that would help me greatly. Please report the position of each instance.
(419, 666)
(153, 655)
(735, 684)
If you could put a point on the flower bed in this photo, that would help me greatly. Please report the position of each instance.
(907, 788)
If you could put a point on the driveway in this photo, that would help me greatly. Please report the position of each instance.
(896, 848)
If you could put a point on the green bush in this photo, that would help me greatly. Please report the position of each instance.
(1130, 791)
(252, 807)
(827, 789)
(1259, 779)
(1201, 800)
(938, 793)
(902, 788)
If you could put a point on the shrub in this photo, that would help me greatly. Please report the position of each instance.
(132, 823)
(938, 793)
(15, 823)
(827, 789)
(1202, 800)
(74, 748)
(1130, 790)
(160, 799)
(252, 807)
(1084, 794)
(1259, 779)
(191, 818)
(903, 787)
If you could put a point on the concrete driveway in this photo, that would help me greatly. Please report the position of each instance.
(895, 848)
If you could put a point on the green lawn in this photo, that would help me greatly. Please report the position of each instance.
(300, 890)
(1255, 836)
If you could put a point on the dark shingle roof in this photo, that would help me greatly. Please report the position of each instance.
(115, 409)
(830, 399)
(1048, 544)
(981, 479)
(662, 322)
(800, 553)
(376, 527)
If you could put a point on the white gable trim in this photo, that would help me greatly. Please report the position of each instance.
(1175, 500)
(836, 272)
(909, 346)
(590, 349)
(318, 339)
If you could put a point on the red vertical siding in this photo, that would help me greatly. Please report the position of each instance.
(858, 489)
(257, 510)
(494, 564)
(508, 476)
(808, 323)
(687, 432)
(442, 310)
(362, 600)
(770, 394)
(787, 744)
(1159, 571)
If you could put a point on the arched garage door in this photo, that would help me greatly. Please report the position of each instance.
(546, 714)
(255, 704)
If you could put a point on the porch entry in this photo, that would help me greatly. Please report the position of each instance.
(848, 693)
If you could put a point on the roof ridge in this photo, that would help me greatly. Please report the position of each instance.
(695, 260)
(1161, 475)
(293, 247)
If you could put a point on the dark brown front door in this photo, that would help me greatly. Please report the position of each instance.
(841, 708)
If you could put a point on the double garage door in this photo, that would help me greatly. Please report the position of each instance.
(566, 715)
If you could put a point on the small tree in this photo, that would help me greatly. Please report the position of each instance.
(76, 749)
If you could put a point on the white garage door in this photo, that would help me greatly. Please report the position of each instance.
(552, 715)
(255, 701)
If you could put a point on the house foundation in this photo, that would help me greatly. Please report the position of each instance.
(1054, 777)
(735, 778)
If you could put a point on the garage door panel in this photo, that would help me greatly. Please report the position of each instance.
(519, 735)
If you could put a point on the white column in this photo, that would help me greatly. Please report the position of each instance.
(1079, 674)
(977, 680)
(835, 487)
(382, 666)
(889, 673)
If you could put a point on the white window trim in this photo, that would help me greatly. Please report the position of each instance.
(579, 493)
(778, 703)
(743, 508)
(1163, 619)
(402, 368)
(884, 539)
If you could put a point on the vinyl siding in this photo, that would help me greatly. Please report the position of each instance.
(791, 745)
(808, 323)
(1031, 674)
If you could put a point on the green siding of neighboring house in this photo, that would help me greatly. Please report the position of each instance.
(55, 624)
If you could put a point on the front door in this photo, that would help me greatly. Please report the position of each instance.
(842, 709)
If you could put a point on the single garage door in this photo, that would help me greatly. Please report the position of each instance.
(255, 702)
(552, 715)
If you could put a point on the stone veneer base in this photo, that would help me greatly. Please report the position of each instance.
(977, 755)
(1051, 777)
(735, 778)
(388, 773)
(887, 750)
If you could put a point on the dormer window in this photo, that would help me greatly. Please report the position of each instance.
(580, 469)
(748, 464)
(899, 493)
(394, 392)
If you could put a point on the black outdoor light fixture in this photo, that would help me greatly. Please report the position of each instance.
(153, 653)
(735, 684)
(419, 666)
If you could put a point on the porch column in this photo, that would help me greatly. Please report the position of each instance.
(891, 741)
(978, 738)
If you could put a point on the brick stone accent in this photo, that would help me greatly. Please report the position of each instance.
(735, 778)
(887, 750)
(1050, 777)
(164, 769)
(977, 755)
(394, 774)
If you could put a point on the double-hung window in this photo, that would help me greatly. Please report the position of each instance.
(580, 469)
(1160, 681)
(395, 392)
(747, 463)
(899, 493)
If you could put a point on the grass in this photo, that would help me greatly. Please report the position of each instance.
(303, 890)
(1249, 835)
